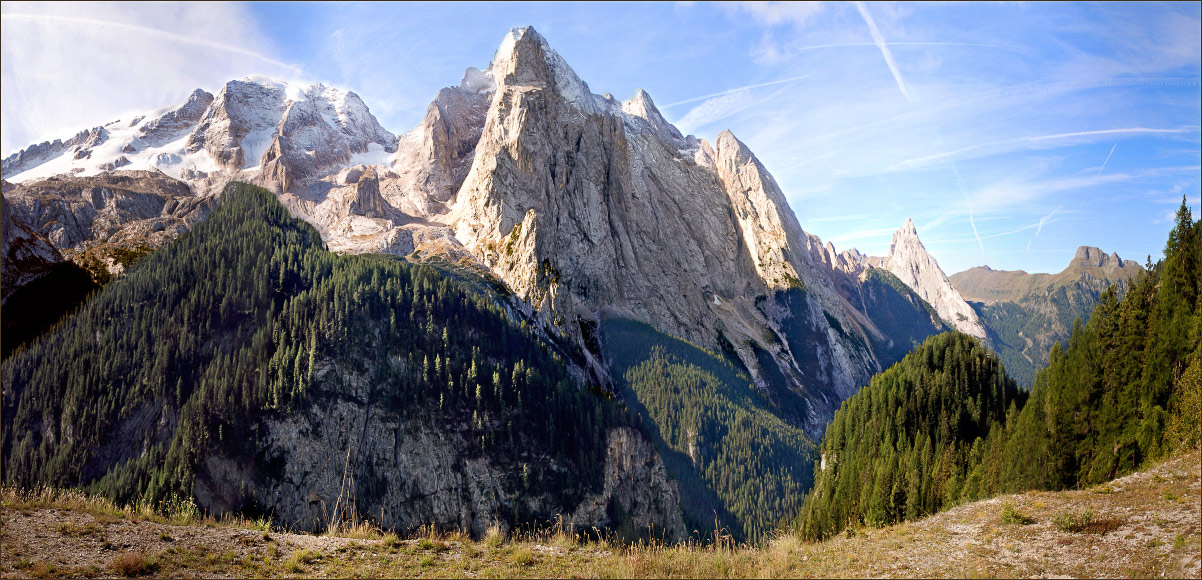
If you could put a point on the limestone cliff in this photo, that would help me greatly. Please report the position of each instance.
(909, 260)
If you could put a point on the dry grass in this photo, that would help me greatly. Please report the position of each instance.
(1145, 524)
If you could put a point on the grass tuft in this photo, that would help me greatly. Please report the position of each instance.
(131, 564)
(1011, 516)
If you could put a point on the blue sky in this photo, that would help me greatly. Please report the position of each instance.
(1010, 133)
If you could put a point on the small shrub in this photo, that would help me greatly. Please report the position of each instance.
(306, 556)
(392, 541)
(1012, 516)
(523, 556)
(134, 564)
(75, 530)
(1073, 522)
(166, 537)
(1179, 542)
(43, 570)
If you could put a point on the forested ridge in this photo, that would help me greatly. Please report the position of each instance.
(247, 315)
(723, 440)
(1124, 391)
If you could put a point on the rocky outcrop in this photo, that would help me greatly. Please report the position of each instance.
(433, 159)
(580, 203)
(82, 216)
(909, 261)
(26, 254)
(344, 455)
(78, 147)
(175, 123)
(367, 199)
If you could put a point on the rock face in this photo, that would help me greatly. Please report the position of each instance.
(175, 123)
(367, 199)
(583, 206)
(344, 453)
(86, 218)
(909, 261)
(26, 254)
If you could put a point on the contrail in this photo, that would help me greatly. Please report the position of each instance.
(1106, 132)
(854, 44)
(1107, 159)
(880, 43)
(1044, 220)
(154, 32)
(971, 221)
(734, 90)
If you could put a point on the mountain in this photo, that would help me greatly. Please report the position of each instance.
(1027, 313)
(1090, 266)
(909, 260)
(946, 424)
(582, 206)
(577, 213)
(250, 370)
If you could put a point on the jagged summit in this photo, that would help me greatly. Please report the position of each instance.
(909, 260)
(1095, 257)
(578, 203)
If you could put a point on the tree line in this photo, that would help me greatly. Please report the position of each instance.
(946, 424)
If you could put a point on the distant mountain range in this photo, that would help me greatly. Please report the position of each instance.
(1027, 313)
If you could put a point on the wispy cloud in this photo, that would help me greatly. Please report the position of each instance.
(842, 218)
(776, 13)
(735, 90)
(715, 109)
(148, 31)
(884, 47)
(1045, 220)
(1006, 145)
(71, 66)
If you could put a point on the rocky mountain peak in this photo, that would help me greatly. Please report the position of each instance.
(909, 260)
(525, 58)
(729, 146)
(640, 105)
(1095, 257)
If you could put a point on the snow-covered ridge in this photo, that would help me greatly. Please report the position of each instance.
(232, 133)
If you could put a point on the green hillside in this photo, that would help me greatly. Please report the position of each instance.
(242, 318)
(724, 441)
(1025, 314)
(931, 431)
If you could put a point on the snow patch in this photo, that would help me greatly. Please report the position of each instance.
(254, 146)
(375, 155)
